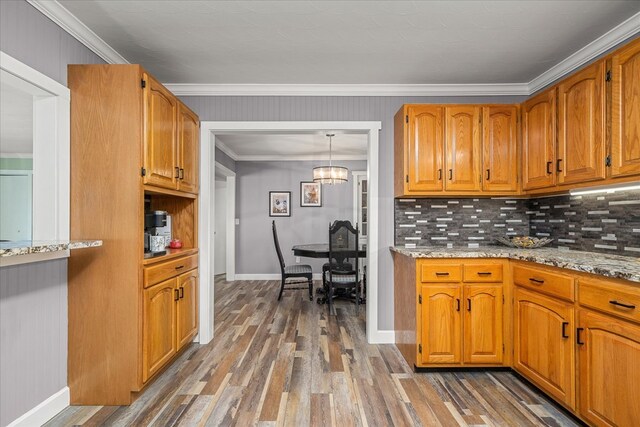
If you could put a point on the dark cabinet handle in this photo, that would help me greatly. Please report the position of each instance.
(578, 341)
(177, 172)
(564, 329)
(621, 304)
(484, 273)
(558, 162)
(468, 304)
(439, 174)
(549, 168)
(181, 173)
(181, 291)
(439, 273)
(457, 304)
(450, 174)
(488, 174)
(176, 297)
(179, 267)
(534, 280)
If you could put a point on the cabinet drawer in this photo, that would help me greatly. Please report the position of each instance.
(619, 300)
(545, 281)
(441, 273)
(482, 273)
(166, 270)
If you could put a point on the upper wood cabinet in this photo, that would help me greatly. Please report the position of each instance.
(625, 111)
(543, 346)
(441, 340)
(608, 357)
(539, 141)
(581, 126)
(482, 325)
(462, 148)
(160, 148)
(499, 148)
(423, 148)
(188, 149)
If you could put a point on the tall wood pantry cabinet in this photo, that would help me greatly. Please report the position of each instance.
(134, 147)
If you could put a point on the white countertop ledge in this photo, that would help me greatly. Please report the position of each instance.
(23, 252)
(616, 266)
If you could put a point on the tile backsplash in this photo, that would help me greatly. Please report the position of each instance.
(604, 222)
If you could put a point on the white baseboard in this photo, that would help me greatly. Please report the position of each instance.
(276, 276)
(46, 410)
(382, 337)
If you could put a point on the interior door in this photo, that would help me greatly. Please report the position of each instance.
(608, 358)
(544, 348)
(188, 149)
(187, 325)
(499, 145)
(625, 113)
(441, 338)
(462, 148)
(160, 148)
(483, 338)
(581, 126)
(424, 151)
(539, 141)
(159, 331)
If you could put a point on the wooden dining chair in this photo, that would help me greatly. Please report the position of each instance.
(292, 271)
(343, 266)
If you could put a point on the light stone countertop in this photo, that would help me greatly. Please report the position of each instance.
(9, 249)
(616, 266)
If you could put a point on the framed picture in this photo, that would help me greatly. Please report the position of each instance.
(310, 194)
(279, 203)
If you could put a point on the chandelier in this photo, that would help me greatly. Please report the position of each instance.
(330, 174)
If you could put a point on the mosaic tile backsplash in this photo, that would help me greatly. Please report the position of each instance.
(608, 222)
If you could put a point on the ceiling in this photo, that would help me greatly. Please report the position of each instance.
(301, 146)
(16, 120)
(349, 42)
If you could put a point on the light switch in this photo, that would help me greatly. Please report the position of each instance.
(237, 221)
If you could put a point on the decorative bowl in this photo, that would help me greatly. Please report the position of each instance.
(524, 242)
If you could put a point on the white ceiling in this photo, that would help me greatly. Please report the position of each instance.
(349, 42)
(16, 120)
(310, 146)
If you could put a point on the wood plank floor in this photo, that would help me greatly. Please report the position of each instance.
(292, 364)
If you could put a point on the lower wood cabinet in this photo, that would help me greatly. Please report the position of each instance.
(169, 320)
(441, 340)
(482, 325)
(608, 370)
(544, 350)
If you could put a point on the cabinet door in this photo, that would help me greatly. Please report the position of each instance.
(424, 148)
(160, 156)
(482, 324)
(159, 333)
(188, 149)
(609, 371)
(544, 348)
(581, 126)
(499, 148)
(187, 323)
(441, 324)
(625, 111)
(539, 141)
(462, 148)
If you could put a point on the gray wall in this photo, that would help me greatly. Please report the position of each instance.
(337, 108)
(306, 225)
(33, 297)
(225, 160)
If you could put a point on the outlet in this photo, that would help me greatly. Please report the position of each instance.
(237, 221)
(298, 260)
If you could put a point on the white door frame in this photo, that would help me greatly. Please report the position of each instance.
(208, 131)
(230, 220)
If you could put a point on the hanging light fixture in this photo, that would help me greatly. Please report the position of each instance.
(330, 174)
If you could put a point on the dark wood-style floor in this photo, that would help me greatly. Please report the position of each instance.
(290, 363)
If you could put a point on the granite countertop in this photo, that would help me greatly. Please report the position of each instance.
(616, 266)
(9, 249)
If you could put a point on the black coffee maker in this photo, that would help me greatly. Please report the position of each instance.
(152, 220)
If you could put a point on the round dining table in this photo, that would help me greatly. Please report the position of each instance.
(320, 250)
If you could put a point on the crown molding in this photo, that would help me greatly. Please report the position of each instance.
(499, 89)
(226, 150)
(625, 31)
(72, 25)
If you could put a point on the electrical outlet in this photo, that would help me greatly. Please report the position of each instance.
(237, 221)
(298, 259)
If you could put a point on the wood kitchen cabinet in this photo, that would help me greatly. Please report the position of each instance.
(159, 326)
(187, 308)
(462, 148)
(625, 111)
(581, 126)
(539, 141)
(441, 340)
(188, 147)
(608, 358)
(482, 324)
(544, 349)
(500, 148)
